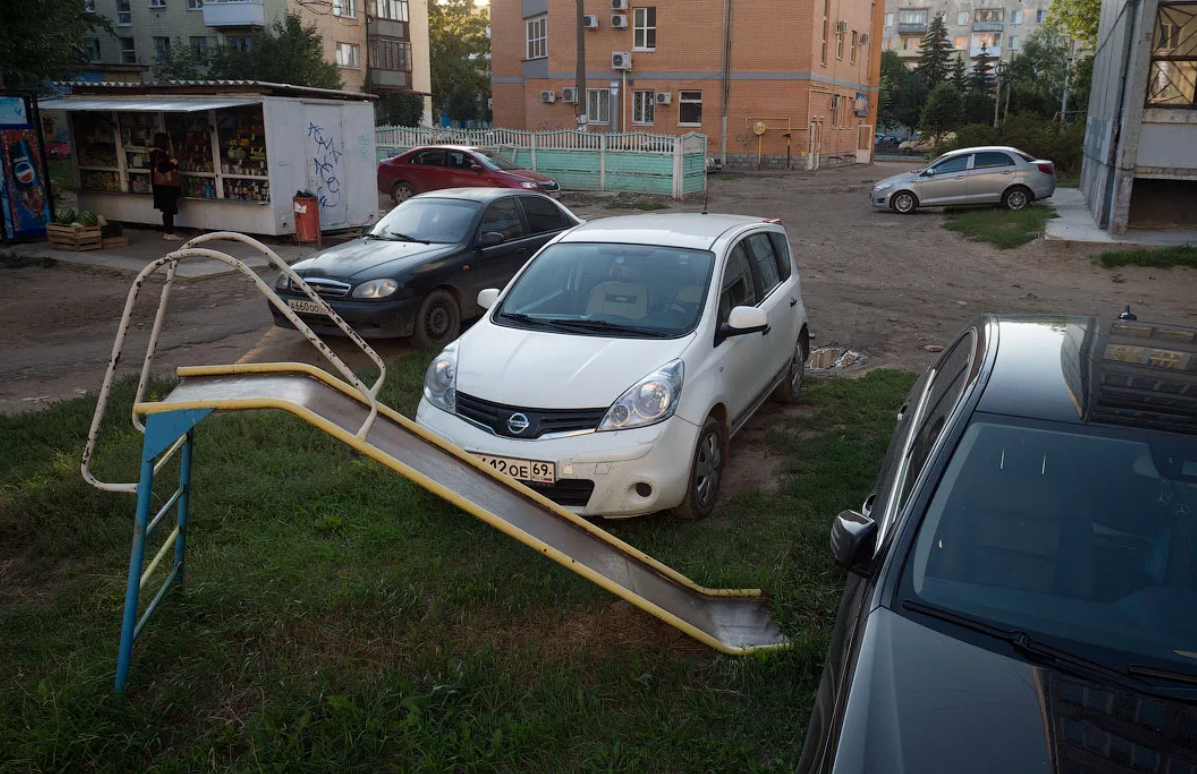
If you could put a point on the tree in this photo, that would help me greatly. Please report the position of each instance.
(1038, 75)
(1078, 18)
(982, 75)
(959, 74)
(288, 52)
(908, 92)
(180, 64)
(44, 39)
(934, 53)
(405, 108)
(941, 114)
(458, 45)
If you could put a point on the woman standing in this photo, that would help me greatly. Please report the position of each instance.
(166, 185)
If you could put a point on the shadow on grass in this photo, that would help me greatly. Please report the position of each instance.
(999, 227)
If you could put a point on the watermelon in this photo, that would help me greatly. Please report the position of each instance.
(65, 216)
(87, 218)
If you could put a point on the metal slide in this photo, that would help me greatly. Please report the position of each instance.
(732, 621)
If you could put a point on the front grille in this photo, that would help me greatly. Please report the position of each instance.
(574, 492)
(550, 186)
(327, 287)
(495, 417)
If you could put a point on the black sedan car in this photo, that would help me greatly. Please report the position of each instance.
(1022, 594)
(418, 271)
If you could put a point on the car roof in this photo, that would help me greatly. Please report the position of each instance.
(680, 229)
(472, 148)
(475, 194)
(1092, 370)
(981, 148)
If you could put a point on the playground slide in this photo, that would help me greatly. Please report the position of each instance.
(732, 621)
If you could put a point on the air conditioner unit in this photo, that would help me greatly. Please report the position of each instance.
(619, 5)
(664, 97)
(841, 26)
(590, 21)
(619, 21)
(621, 60)
(548, 96)
(864, 38)
(569, 94)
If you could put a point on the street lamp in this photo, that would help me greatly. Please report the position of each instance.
(1002, 68)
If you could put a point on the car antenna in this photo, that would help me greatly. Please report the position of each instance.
(1127, 314)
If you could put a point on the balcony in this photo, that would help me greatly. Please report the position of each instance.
(912, 28)
(234, 13)
(988, 26)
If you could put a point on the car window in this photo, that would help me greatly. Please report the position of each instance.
(504, 217)
(766, 262)
(781, 248)
(444, 221)
(459, 160)
(953, 164)
(990, 159)
(429, 158)
(1025, 157)
(738, 288)
(542, 214)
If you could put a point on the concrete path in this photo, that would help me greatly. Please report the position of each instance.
(1075, 224)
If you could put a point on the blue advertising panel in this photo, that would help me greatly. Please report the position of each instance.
(24, 184)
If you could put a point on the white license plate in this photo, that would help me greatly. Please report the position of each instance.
(304, 306)
(523, 470)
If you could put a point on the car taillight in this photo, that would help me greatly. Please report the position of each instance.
(1047, 169)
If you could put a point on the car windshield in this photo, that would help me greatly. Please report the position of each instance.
(497, 160)
(1082, 536)
(427, 220)
(602, 289)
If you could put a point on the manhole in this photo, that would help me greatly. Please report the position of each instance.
(828, 358)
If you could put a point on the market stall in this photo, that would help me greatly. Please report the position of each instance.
(244, 149)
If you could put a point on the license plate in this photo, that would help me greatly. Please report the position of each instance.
(304, 306)
(523, 470)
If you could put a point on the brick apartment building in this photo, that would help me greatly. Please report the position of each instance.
(725, 68)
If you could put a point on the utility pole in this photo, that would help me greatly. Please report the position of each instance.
(581, 84)
(1067, 80)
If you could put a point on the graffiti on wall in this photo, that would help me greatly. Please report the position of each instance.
(327, 162)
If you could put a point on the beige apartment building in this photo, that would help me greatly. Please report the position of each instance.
(755, 76)
(1001, 27)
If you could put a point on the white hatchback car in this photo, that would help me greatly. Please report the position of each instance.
(614, 368)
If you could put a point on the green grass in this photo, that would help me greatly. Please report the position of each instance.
(1164, 257)
(1000, 227)
(642, 206)
(19, 261)
(337, 618)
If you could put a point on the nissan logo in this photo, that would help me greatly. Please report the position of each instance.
(517, 423)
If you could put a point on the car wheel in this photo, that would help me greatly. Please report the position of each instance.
(438, 321)
(402, 191)
(908, 151)
(1017, 198)
(706, 473)
(789, 390)
(904, 202)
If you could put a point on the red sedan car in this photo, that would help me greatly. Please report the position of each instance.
(432, 168)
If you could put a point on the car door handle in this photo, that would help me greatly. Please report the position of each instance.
(960, 178)
(793, 302)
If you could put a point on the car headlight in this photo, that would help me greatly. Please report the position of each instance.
(883, 187)
(651, 400)
(530, 185)
(440, 380)
(282, 283)
(379, 288)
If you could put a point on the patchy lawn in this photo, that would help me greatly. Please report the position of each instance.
(21, 261)
(338, 618)
(642, 206)
(1000, 227)
(1164, 257)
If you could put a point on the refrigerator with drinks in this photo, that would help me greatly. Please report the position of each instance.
(24, 182)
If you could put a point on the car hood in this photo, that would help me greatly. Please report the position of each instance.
(527, 174)
(924, 702)
(905, 177)
(363, 259)
(537, 369)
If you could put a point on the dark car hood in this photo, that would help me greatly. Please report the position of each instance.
(923, 702)
(373, 257)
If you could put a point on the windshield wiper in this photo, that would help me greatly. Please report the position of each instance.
(395, 236)
(604, 325)
(526, 319)
(1162, 674)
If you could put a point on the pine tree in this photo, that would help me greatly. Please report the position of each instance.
(959, 74)
(982, 76)
(934, 53)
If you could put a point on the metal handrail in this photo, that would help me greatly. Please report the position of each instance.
(188, 250)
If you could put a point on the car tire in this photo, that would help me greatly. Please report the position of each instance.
(1017, 198)
(402, 191)
(790, 389)
(904, 202)
(907, 151)
(438, 320)
(706, 473)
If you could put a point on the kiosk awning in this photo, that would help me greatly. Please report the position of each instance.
(144, 105)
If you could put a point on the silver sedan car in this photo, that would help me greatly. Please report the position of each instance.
(989, 175)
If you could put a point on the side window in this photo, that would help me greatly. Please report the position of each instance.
(738, 288)
(503, 216)
(781, 248)
(954, 164)
(990, 159)
(429, 158)
(459, 160)
(766, 261)
(542, 215)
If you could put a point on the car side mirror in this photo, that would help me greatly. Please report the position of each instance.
(491, 239)
(742, 321)
(853, 538)
(487, 297)
(476, 168)
(928, 173)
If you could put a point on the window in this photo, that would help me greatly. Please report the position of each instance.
(504, 217)
(1173, 77)
(738, 288)
(643, 107)
(442, 221)
(962, 17)
(345, 8)
(953, 164)
(598, 106)
(889, 20)
(238, 42)
(161, 49)
(839, 43)
(429, 158)
(765, 261)
(644, 29)
(542, 214)
(538, 37)
(195, 5)
(124, 14)
(889, 44)
(1016, 17)
(199, 48)
(157, 3)
(961, 43)
(349, 55)
(781, 248)
(93, 50)
(991, 159)
(459, 160)
(855, 43)
(128, 51)
(990, 15)
(389, 54)
(394, 10)
(834, 110)
(826, 27)
(89, 6)
(987, 40)
(689, 108)
(912, 17)
(1040, 15)
(911, 42)
(1013, 41)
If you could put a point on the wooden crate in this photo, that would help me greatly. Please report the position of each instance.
(74, 238)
